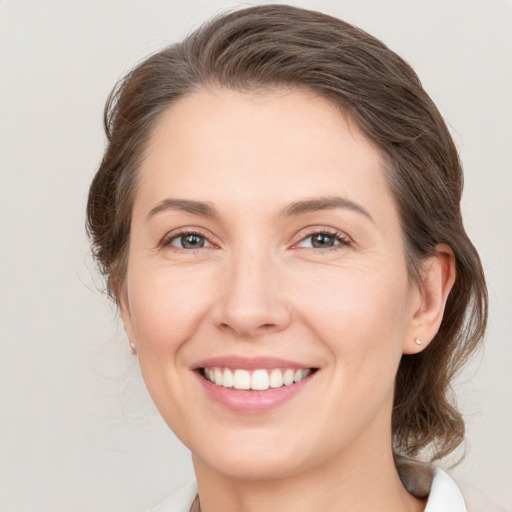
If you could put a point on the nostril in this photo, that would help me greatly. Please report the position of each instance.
(263, 327)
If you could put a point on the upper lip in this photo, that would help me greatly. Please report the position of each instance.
(249, 363)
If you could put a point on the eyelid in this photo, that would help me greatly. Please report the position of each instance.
(184, 231)
(343, 239)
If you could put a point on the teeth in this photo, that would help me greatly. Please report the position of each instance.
(276, 378)
(258, 380)
(241, 379)
(300, 374)
(217, 376)
(288, 377)
(227, 378)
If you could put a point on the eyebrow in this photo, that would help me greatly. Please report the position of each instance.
(187, 205)
(324, 203)
(206, 209)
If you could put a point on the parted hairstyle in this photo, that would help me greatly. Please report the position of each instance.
(278, 46)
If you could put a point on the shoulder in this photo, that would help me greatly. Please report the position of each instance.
(181, 501)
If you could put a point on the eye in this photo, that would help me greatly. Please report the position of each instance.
(187, 240)
(323, 240)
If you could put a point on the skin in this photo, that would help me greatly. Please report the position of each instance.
(258, 287)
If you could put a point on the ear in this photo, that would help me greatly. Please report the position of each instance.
(126, 317)
(438, 275)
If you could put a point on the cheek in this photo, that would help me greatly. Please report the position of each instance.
(360, 315)
(166, 308)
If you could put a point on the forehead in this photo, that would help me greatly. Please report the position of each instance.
(260, 148)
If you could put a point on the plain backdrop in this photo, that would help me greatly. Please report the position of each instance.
(78, 431)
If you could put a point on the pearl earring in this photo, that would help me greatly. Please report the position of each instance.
(418, 341)
(132, 345)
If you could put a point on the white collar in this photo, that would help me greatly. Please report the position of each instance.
(444, 495)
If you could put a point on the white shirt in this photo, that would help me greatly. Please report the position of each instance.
(444, 496)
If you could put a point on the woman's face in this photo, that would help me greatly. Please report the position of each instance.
(265, 245)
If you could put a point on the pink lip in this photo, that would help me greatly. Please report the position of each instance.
(250, 401)
(249, 363)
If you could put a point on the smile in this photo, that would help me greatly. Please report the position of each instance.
(256, 380)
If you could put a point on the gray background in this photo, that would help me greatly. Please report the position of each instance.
(77, 429)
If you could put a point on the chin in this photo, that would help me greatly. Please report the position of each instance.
(256, 456)
(267, 466)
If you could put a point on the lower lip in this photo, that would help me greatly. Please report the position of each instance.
(250, 401)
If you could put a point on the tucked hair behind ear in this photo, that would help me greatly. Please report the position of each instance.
(282, 46)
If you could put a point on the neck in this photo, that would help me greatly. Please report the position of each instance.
(356, 482)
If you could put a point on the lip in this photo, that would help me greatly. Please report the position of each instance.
(250, 402)
(249, 363)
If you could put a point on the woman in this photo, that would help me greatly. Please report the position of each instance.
(278, 217)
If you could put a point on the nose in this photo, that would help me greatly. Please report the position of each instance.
(251, 302)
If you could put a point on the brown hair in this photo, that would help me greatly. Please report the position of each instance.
(283, 46)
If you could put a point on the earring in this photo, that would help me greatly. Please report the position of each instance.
(418, 341)
(132, 345)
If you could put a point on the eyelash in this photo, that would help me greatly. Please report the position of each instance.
(343, 240)
(166, 241)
